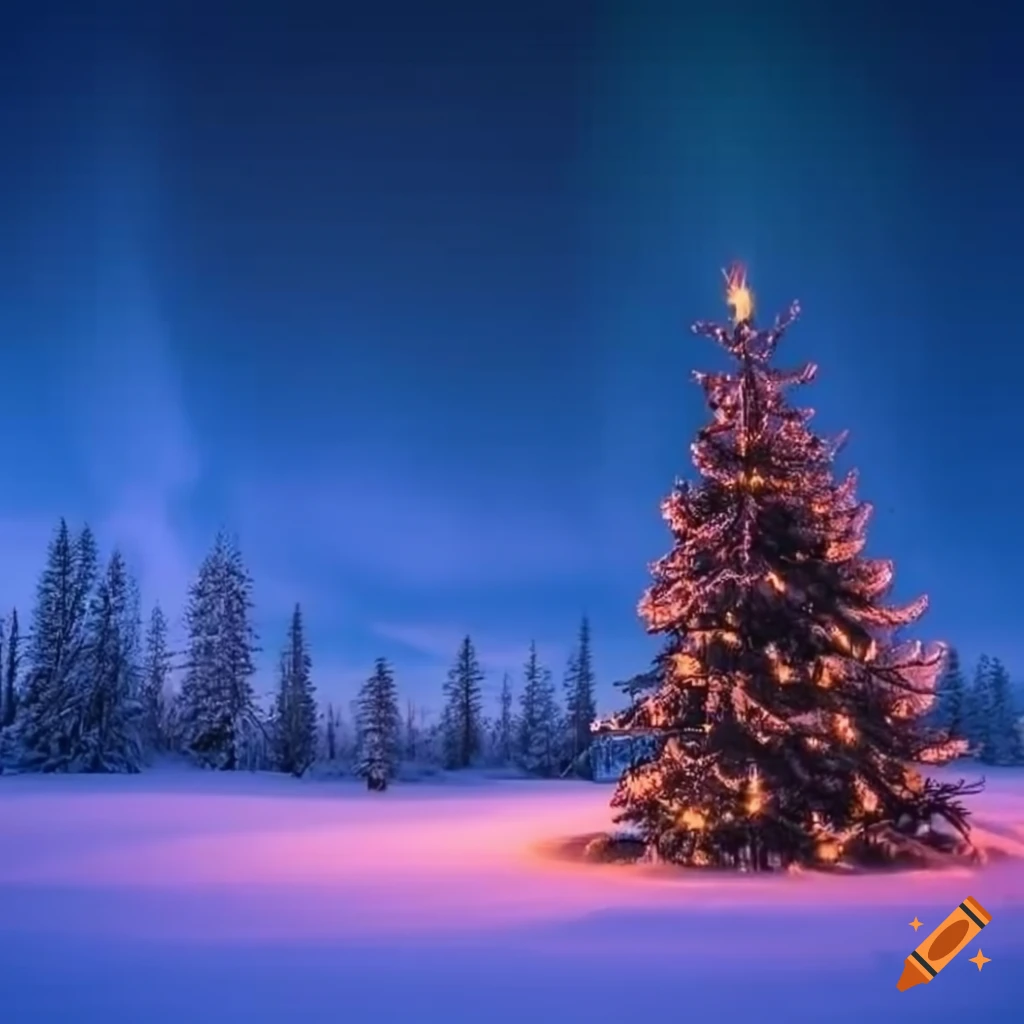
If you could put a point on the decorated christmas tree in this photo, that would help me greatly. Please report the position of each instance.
(787, 717)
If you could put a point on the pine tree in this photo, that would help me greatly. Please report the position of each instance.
(580, 706)
(205, 729)
(110, 738)
(10, 672)
(375, 764)
(277, 720)
(239, 646)
(977, 707)
(538, 725)
(951, 706)
(332, 736)
(49, 726)
(156, 683)
(86, 574)
(789, 718)
(1001, 743)
(378, 723)
(219, 720)
(463, 708)
(529, 699)
(546, 753)
(295, 727)
(503, 739)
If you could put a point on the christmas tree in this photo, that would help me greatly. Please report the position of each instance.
(785, 714)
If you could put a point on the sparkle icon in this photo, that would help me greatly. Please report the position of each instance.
(981, 959)
(915, 924)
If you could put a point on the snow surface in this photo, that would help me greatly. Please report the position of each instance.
(181, 895)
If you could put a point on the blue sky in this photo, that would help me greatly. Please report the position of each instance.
(402, 300)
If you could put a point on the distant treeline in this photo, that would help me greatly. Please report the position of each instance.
(983, 712)
(89, 689)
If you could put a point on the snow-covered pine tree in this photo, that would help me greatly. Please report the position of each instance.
(276, 718)
(156, 677)
(110, 737)
(503, 735)
(527, 719)
(546, 753)
(49, 724)
(1002, 740)
(529, 699)
(86, 565)
(568, 736)
(295, 727)
(204, 732)
(977, 707)
(538, 725)
(374, 761)
(330, 734)
(378, 723)
(219, 720)
(951, 693)
(240, 645)
(10, 672)
(580, 706)
(463, 708)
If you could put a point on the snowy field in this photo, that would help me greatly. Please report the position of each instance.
(184, 896)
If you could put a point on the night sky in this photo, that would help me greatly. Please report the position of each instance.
(402, 299)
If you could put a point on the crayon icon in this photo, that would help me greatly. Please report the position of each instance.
(943, 944)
